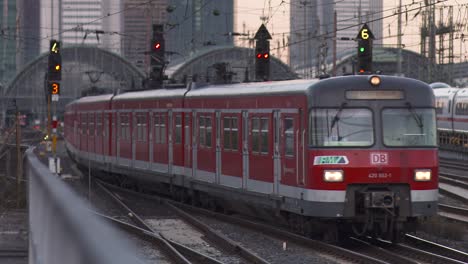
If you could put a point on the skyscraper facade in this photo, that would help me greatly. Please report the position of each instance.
(312, 27)
(8, 39)
(192, 25)
(77, 22)
(351, 14)
(28, 31)
(136, 29)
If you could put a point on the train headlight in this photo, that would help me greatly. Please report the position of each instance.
(422, 175)
(333, 175)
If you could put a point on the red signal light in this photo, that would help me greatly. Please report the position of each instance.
(259, 55)
(361, 70)
(157, 45)
(266, 55)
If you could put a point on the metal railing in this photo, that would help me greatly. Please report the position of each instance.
(62, 229)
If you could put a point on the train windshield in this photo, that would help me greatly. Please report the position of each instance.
(409, 127)
(341, 127)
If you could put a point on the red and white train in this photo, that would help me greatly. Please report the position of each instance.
(452, 116)
(359, 150)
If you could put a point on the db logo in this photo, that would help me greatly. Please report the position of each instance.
(379, 158)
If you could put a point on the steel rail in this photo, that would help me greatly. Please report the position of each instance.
(215, 237)
(158, 240)
(268, 230)
(165, 246)
(437, 248)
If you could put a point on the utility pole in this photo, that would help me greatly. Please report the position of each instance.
(335, 28)
(399, 41)
(306, 41)
(432, 40)
(19, 159)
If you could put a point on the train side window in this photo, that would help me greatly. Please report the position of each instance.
(255, 135)
(141, 127)
(178, 129)
(99, 124)
(114, 123)
(162, 129)
(83, 124)
(208, 126)
(288, 125)
(106, 124)
(264, 135)
(205, 130)
(230, 128)
(201, 133)
(159, 129)
(124, 126)
(91, 125)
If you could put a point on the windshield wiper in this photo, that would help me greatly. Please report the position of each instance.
(337, 116)
(416, 117)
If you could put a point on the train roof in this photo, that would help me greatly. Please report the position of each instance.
(446, 92)
(148, 94)
(94, 99)
(240, 89)
(254, 88)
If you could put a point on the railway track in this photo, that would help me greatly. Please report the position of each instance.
(436, 248)
(458, 214)
(289, 241)
(453, 164)
(421, 252)
(231, 252)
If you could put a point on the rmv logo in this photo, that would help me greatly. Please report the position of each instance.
(330, 160)
(379, 158)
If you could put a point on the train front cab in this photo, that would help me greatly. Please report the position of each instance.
(372, 147)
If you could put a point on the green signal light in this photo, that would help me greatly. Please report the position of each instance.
(361, 49)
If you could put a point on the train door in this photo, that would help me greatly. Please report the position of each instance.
(76, 136)
(218, 147)
(194, 144)
(187, 145)
(91, 133)
(206, 161)
(133, 136)
(160, 146)
(261, 134)
(114, 136)
(151, 130)
(170, 150)
(177, 146)
(140, 139)
(276, 151)
(289, 148)
(231, 158)
(245, 148)
(106, 137)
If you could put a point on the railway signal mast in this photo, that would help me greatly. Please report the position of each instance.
(262, 54)
(364, 50)
(158, 58)
(54, 76)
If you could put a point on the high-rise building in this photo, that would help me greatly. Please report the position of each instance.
(76, 22)
(28, 31)
(8, 39)
(312, 26)
(195, 24)
(136, 29)
(351, 14)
